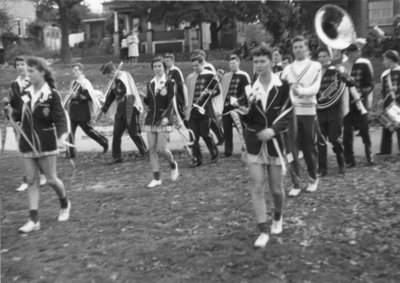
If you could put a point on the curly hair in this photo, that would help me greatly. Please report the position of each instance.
(41, 65)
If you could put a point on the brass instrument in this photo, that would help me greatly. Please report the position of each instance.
(71, 93)
(217, 77)
(108, 89)
(335, 28)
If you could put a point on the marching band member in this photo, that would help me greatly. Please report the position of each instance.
(304, 76)
(174, 73)
(215, 126)
(43, 129)
(277, 60)
(123, 102)
(390, 79)
(330, 113)
(82, 108)
(269, 115)
(233, 85)
(360, 69)
(158, 122)
(286, 60)
(17, 88)
(198, 93)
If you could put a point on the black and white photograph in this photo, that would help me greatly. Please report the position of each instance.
(200, 141)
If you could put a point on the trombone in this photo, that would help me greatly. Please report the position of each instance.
(72, 92)
(109, 86)
(207, 92)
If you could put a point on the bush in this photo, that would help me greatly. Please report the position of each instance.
(15, 46)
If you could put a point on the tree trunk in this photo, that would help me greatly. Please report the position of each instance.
(65, 50)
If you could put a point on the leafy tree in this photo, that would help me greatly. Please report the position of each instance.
(218, 14)
(64, 10)
(5, 17)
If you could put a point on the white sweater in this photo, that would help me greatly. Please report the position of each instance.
(305, 103)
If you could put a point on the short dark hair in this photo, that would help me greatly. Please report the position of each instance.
(392, 55)
(287, 57)
(158, 59)
(18, 59)
(352, 47)
(262, 51)
(170, 55)
(276, 48)
(323, 49)
(201, 52)
(234, 56)
(41, 65)
(107, 68)
(298, 39)
(196, 57)
(79, 65)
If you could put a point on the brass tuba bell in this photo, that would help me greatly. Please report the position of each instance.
(334, 27)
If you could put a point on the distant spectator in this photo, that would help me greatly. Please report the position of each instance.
(124, 45)
(133, 47)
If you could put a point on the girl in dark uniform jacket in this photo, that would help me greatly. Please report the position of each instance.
(158, 122)
(44, 124)
(17, 88)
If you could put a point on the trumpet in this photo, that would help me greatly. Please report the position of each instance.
(208, 92)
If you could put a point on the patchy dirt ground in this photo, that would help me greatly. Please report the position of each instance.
(201, 228)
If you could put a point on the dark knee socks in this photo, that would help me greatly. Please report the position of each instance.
(34, 215)
(64, 202)
(156, 175)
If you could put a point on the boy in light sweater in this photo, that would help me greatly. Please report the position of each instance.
(304, 77)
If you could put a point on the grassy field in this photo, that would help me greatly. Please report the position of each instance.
(200, 229)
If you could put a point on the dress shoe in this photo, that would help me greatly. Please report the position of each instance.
(29, 227)
(195, 163)
(42, 180)
(262, 240)
(312, 187)
(350, 165)
(175, 173)
(64, 213)
(322, 173)
(294, 192)
(276, 227)
(154, 183)
(114, 161)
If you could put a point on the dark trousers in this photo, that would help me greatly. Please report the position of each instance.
(307, 132)
(359, 122)
(330, 131)
(201, 128)
(217, 129)
(227, 122)
(120, 125)
(386, 142)
(89, 131)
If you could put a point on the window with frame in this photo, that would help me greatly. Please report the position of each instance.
(380, 13)
(18, 27)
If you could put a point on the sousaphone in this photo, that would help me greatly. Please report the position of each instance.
(334, 27)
